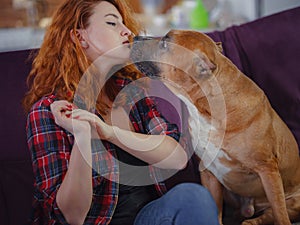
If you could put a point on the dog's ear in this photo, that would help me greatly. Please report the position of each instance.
(203, 65)
(219, 46)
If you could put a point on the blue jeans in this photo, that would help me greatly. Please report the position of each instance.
(184, 204)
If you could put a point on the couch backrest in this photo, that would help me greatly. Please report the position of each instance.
(268, 51)
(15, 67)
(16, 178)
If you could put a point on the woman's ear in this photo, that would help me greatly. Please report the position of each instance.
(77, 35)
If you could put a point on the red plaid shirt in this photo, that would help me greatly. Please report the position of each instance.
(51, 146)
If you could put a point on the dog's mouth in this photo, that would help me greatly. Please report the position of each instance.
(148, 68)
(141, 56)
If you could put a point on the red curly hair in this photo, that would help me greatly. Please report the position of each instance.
(60, 63)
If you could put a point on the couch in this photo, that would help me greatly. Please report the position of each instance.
(267, 50)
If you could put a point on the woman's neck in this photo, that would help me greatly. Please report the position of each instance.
(105, 64)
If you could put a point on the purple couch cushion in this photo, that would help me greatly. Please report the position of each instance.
(16, 178)
(15, 68)
(16, 182)
(270, 55)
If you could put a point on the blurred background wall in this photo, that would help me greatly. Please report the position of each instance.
(23, 22)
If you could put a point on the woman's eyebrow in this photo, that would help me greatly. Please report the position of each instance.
(111, 14)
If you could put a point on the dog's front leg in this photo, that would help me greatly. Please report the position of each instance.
(272, 183)
(209, 181)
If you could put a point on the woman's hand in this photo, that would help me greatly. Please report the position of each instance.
(61, 111)
(99, 128)
(81, 130)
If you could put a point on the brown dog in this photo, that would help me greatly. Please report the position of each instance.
(243, 144)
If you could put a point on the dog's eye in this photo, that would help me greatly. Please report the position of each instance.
(163, 44)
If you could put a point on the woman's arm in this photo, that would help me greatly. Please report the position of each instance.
(159, 150)
(74, 195)
(62, 175)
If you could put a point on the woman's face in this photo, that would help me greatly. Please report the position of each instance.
(106, 35)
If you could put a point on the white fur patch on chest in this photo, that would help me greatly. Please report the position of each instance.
(200, 130)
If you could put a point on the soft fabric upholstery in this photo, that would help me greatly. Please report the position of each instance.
(15, 165)
(267, 50)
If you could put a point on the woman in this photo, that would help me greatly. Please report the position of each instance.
(88, 171)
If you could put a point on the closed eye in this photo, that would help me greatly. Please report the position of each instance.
(111, 24)
(163, 43)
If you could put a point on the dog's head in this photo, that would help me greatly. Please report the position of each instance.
(177, 54)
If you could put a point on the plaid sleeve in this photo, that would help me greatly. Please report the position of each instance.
(154, 122)
(50, 151)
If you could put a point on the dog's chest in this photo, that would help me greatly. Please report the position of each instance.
(210, 154)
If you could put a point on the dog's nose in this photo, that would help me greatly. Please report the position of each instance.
(145, 38)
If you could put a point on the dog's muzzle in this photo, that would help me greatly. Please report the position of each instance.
(141, 54)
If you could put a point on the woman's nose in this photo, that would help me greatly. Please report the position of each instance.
(125, 31)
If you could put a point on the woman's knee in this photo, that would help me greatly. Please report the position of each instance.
(186, 203)
(192, 189)
(191, 192)
(193, 201)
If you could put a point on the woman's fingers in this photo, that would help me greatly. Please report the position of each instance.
(62, 112)
(83, 115)
(102, 130)
(59, 106)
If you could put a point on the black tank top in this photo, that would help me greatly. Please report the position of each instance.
(133, 195)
